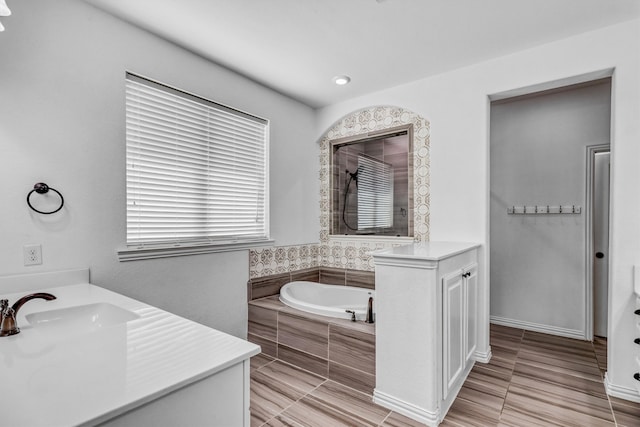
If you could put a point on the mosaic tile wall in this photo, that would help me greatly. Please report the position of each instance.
(344, 253)
(282, 259)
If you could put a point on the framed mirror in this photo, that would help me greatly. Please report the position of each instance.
(372, 183)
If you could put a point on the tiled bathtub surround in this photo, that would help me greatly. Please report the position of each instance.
(275, 260)
(286, 260)
(354, 253)
(338, 349)
(261, 287)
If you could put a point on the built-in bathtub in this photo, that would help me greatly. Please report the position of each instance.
(327, 300)
(327, 344)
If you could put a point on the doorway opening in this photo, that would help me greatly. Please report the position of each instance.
(541, 239)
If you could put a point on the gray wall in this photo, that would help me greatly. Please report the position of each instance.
(538, 157)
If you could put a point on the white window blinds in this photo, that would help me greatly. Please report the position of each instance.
(196, 170)
(375, 193)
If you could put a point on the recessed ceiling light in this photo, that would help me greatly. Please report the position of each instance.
(341, 80)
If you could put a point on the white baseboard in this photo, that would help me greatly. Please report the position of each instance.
(537, 327)
(483, 357)
(621, 392)
(405, 408)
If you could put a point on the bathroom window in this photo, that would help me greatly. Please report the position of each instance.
(196, 173)
(375, 194)
(372, 184)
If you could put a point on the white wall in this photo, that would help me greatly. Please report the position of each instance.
(457, 106)
(62, 122)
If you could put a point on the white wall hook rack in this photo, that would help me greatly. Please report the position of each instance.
(544, 209)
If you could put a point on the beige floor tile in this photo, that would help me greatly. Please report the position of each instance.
(532, 380)
(576, 380)
(474, 395)
(513, 418)
(579, 367)
(626, 413)
(269, 397)
(310, 412)
(469, 414)
(504, 361)
(487, 380)
(502, 336)
(260, 360)
(281, 421)
(398, 420)
(556, 404)
(292, 376)
(340, 398)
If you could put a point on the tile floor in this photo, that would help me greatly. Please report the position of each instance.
(533, 379)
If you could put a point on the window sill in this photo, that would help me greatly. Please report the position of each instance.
(402, 240)
(141, 253)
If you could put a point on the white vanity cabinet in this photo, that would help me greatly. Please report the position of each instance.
(94, 357)
(427, 326)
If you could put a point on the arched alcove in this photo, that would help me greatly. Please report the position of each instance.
(352, 252)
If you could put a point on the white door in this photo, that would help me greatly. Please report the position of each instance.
(600, 235)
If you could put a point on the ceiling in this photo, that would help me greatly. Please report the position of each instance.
(296, 47)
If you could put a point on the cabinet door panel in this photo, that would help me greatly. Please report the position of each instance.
(453, 329)
(471, 303)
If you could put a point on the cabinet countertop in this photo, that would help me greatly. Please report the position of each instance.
(427, 251)
(66, 378)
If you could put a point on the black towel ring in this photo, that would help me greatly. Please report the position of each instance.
(42, 188)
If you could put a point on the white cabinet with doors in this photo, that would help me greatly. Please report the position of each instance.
(427, 326)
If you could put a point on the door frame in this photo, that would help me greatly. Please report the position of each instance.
(591, 151)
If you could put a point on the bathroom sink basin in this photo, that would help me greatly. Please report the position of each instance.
(82, 318)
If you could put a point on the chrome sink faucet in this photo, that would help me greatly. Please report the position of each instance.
(8, 325)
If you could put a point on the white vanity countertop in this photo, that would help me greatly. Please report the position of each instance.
(55, 378)
(428, 251)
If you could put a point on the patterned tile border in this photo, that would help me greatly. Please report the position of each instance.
(268, 261)
(344, 253)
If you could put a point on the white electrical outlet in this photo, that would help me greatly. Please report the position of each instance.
(32, 254)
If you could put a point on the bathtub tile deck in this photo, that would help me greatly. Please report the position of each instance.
(272, 302)
(269, 348)
(304, 334)
(333, 276)
(265, 286)
(532, 380)
(308, 275)
(352, 348)
(361, 279)
(263, 322)
(307, 361)
(351, 377)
